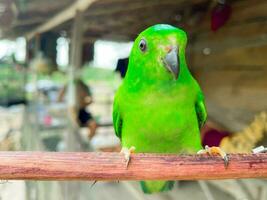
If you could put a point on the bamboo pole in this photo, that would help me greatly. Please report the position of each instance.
(111, 166)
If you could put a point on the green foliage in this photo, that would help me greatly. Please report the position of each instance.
(11, 83)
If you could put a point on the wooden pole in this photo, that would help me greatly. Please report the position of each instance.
(73, 139)
(76, 40)
(111, 166)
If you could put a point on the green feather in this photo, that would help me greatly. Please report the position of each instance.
(153, 111)
(150, 187)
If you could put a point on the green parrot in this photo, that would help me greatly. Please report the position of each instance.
(159, 107)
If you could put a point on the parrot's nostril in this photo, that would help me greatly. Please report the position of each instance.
(168, 49)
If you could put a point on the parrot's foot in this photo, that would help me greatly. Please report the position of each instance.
(127, 154)
(215, 151)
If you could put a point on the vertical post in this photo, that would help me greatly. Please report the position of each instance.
(37, 44)
(72, 190)
(35, 75)
(75, 64)
(27, 56)
(76, 40)
(33, 189)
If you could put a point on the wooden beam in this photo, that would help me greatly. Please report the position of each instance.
(68, 13)
(134, 14)
(127, 6)
(115, 29)
(111, 166)
(30, 21)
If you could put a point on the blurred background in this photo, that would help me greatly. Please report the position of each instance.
(62, 61)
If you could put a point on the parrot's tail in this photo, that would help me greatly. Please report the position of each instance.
(149, 187)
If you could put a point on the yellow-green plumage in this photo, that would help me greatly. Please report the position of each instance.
(159, 108)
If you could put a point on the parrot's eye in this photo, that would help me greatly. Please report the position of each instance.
(142, 45)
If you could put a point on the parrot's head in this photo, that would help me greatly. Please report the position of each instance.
(159, 53)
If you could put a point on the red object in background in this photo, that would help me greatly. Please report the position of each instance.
(220, 15)
(48, 120)
(211, 135)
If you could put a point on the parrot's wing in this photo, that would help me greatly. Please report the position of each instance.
(117, 120)
(201, 110)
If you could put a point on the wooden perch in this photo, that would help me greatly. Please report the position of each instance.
(111, 166)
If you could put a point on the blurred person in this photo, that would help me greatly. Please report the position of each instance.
(84, 99)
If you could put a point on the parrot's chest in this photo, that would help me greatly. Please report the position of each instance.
(156, 113)
(159, 123)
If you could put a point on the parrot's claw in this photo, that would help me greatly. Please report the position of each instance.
(215, 151)
(127, 154)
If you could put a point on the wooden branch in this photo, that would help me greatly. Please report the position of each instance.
(111, 166)
(61, 17)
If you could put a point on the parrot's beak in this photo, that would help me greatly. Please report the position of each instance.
(171, 62)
